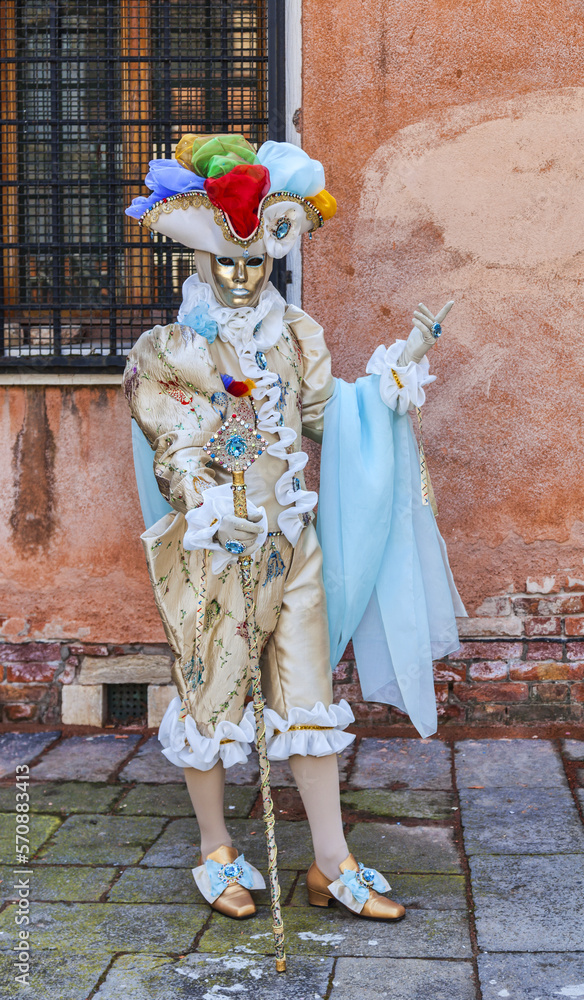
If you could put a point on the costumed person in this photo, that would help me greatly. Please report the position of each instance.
(237, 348)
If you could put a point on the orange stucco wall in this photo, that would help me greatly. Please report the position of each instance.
(452, 137)
(72, 563)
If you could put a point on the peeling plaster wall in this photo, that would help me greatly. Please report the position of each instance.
(452, 138)
(72, 563)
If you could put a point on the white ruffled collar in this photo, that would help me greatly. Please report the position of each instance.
(262, 322)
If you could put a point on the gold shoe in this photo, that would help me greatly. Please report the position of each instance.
(235, 900)
(376, 906)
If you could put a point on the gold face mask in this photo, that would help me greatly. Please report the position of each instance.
(238, 278)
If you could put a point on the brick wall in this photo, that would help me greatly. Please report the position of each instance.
(521, 660)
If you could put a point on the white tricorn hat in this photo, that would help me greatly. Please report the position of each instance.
(272, 196)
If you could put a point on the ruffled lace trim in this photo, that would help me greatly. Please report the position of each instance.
(204, 521)
(249, 331)
(400, 387)
(314, 732)
(185, 746)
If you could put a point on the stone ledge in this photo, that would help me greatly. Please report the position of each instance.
(137, 668)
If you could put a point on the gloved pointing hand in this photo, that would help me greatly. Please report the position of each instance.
(424, 335)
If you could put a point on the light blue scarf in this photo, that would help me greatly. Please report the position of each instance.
(386, 573)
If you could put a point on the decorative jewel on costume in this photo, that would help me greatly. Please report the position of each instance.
(220, 402)
(261, 360)
(361, 881)
(235, 388)
(200, 321)
(238, 871)
(282, 229)
(275, 566)
(436, 330)
(235, 547)
(212, 613)
(296, 484)
(235, 446)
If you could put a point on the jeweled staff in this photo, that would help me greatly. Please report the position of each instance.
(235, 447)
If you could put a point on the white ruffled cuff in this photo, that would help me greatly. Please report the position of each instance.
(204, 521)
(400, 387)
(314, 732)
(185, 746)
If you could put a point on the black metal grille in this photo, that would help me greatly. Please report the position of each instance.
(127, 703)
(91, 91)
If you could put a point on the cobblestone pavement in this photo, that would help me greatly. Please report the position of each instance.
(482, 840)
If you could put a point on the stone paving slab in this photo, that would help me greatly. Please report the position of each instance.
(150, 764)
(580, 795)
(40, 829)
(173, 800)
(420, 892)
(396, 848)
(333, 931)
(21, 748)
(78, 758)
(402, 979)
(105, 840)
(529, 903)
(531, 977)
(175, 885)
(402, 763)
(64, 797)
(520, 821)
(72, 977)
(61, 883)
(203, 977)
(111, 927)
(573, 749)
(415, 805)
(247, 773)
(506, 763)
(178, 847)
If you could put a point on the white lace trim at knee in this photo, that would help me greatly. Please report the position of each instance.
(314, 732)
(185, 746)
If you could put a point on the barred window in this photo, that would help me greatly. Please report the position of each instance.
(91, 90)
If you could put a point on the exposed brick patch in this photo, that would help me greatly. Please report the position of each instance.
(574, 626)
(20, 712)
(542, 626)
(449, 672)
(577, 692)
(545, 651)
(575, 650)
(488, 670)
(505, 693)
(549, 670)
(551, 691)
(489, 651)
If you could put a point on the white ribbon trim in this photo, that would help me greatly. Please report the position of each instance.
(344, 895)
(283, 739)
(236, 327)
(204, 521)
(178, 736)
(201, 877)
(401, 388)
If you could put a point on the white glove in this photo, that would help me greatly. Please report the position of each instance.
(421, 338)
(240, 530)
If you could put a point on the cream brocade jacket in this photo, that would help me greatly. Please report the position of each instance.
(176, 395)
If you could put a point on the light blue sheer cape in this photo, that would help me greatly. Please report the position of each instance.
(386, 573)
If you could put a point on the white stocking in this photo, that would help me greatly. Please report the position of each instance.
(206, 789)
(317, 779)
